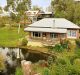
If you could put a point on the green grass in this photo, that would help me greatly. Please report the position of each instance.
(10, 37)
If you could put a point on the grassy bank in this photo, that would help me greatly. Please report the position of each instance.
(9, 36)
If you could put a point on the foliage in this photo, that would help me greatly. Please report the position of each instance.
(68, 9)
(58, 48)
(51, 59)
(77, 51)
(36, 8)
(18, 71)
(64, 43)
(17, 5)
(2, 65)
(46, 71)
(0, 9)
(18, 8)
(77, 42)
(24, 42)
(73, 58)
(60, 61)
(21, 8)
(4, 21)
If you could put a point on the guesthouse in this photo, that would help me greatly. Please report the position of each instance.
(51, 30)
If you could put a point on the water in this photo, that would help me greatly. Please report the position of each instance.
(10, 57)
(26, 54)
(13, 57)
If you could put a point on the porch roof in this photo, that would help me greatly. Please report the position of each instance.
(55, 30)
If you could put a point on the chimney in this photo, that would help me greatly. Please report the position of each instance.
(53, 26)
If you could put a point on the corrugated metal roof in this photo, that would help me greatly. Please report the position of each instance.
(45, 30)
(76, 0)
(59, 23)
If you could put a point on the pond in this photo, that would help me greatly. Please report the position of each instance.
(13, 57)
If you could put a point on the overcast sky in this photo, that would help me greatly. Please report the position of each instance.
(41, 3)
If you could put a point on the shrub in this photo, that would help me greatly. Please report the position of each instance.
(65, 43)
(77, 51)
(60, 61)
(18, 71)
(46, 71)
(51, 59)
(73, 72)
(76, 64)
(60, 70)
(24, 42)
(50, 48)
(77, 42)
(72, 58)
(58, 48)
(2, 65)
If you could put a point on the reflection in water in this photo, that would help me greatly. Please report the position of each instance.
(10, 56)
(13, 56)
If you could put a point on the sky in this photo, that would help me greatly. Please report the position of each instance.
(40, 3)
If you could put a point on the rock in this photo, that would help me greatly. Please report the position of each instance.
(26, 67)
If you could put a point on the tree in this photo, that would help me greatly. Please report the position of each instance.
(36, 8)
(67, 9)
(0, 9)
(19, 5)
(77, 14)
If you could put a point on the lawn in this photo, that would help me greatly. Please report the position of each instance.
(10, 37)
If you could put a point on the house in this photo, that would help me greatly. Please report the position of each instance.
(77, 0)
(42, 15)
(51, 30)
(32, 15)
(38, 15)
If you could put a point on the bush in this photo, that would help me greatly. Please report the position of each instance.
(18, 71)
(77, 51)
(60, 61)
(73, 72)
(65, 43)
(76, 65)
(77, 42)
(46, 71)
(58, 48)
(51, 60)
(72, 59)
(24, 42)
(2, 65)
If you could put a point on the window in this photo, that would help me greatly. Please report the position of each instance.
(74, 33)
(53, 35)
(63, 35)
(71, 33)
(36, 34)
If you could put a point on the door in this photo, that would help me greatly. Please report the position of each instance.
(44, 35)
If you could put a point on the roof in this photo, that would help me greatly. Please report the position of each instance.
(45, 12)
(45, 30)
(54, 22)
(76, 0)
(32, 13)
(56, 25)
